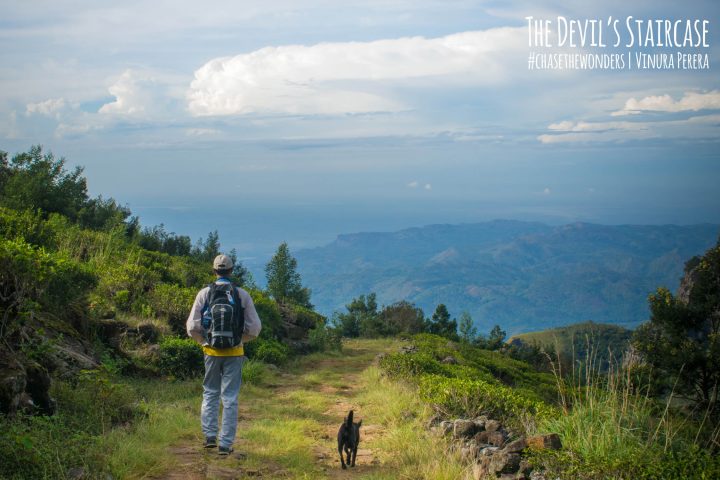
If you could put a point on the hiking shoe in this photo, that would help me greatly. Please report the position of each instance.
(225, 450)
(210, 442)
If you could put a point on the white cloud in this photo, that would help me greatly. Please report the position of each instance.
(546, 191)
(413, 184)
(71, 130)
(49, 107)
(691, 101)
(349, 77)
(202, 132)
(427, 186)
(701, 126)
(142, 94)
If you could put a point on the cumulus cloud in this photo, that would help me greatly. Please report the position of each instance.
(140, 94)
(427, 186)
(49, 107)
(348, 77)
(691, 101)
(546, 191)
(413, 184)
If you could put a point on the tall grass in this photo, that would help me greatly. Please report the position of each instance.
(612, 427)
(406, 445)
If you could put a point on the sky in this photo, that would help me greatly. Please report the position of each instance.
(300, 120)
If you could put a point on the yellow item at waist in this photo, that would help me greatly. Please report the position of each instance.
(224, 352)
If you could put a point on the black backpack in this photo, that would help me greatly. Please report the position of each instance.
(224, 316)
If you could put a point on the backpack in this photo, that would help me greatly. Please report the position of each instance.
(223, 316)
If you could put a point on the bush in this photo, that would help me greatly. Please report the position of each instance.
(181, 357)
(459, 396)
(33, 281)
(324, 339)
(254, 372)
(45, 447)
(172, 303)
(268, 351)
(268, 312)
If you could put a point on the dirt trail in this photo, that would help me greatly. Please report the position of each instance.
(333, 385)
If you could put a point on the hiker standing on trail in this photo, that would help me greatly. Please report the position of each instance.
(222, 318)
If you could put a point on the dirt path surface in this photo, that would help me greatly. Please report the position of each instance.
(287, 428)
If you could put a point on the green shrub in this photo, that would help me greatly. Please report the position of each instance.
(181, 357)
(26, 225)
(324, 339)
(254, 372)
(42, 447)
(268, 351)
(269, 314)
(172, 303)
(34, 281)
(461, 396)
(403, 365)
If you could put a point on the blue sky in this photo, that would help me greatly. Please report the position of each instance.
(299, 120)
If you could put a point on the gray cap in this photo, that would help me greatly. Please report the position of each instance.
(222, 262)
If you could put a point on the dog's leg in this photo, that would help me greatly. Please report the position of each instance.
(342, 460)
(354, 454)
(348, 452)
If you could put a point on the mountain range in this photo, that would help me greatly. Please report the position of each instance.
(524, 276)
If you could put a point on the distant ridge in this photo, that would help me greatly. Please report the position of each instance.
(524, 276)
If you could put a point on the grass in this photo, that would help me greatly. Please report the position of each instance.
(612, 429)
(407, 447)
(287, 423)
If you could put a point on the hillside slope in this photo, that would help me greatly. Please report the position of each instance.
(523, 276)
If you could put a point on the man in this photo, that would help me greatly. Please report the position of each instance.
(212, 319)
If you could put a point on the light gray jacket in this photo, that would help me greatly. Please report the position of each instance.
(194, 321)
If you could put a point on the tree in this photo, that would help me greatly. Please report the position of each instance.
(467, 329)
(441, 324)
(211, 247)
(496, 338)
(283, 280)
(361, 318)
(240, 274)
(34, 180)
(402, 317)
(682, 337)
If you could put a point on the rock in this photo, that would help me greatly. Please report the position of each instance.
(38, 387)
(496, 439)
(446, 427)
(463, 428)
(13, 380)
(76, 473)
(148, 332)
(480, 423)
(434, 421)
(111, 331)
(408, 349)
(492, 425)
(470, 452)
(450, 360)
(293, 332)
(502, 462)
(516, 446)
(536, 475)
(525, 467)
(545, 442)
(489, 451)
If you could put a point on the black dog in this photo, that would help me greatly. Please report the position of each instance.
(349, 439)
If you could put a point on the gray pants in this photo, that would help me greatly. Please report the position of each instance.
(223, 376)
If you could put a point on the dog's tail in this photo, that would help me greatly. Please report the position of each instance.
(350, 419)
